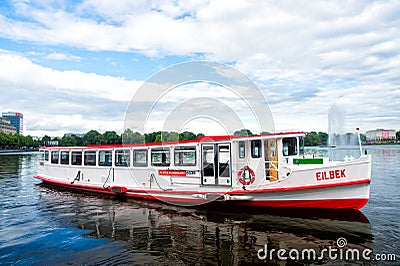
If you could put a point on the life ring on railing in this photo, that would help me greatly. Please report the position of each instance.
(246, 180)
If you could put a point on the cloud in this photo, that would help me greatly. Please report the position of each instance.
(60, 101)
(264, 39)
(69, 81)
(63, 57)
(304, 56)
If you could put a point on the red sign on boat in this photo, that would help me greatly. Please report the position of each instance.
(172, 172)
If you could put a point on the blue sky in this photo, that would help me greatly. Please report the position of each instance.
(72, 66)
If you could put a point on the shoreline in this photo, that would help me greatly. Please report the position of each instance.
(19, 151)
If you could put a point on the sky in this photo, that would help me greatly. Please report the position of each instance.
(73, 66)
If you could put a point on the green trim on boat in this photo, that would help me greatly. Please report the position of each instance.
(308, 161)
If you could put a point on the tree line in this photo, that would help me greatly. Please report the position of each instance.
(93, 137)
(15, 142)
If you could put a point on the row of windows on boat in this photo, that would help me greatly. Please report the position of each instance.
(183, 156)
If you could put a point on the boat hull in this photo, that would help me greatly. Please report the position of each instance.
(351, 195)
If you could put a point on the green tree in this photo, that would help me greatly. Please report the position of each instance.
(3, 139)
(100, 139)
(112, 137)
(129, 137)
(398, 135)
(92, 137)
(45, 138)
(29, 142)
(243, 132)
(186, 135)
(158, 138)
(151, 137)
(363, 137)
(312, 139)
(200, 135)
(172, 136)
(70, 140)
(323, 138)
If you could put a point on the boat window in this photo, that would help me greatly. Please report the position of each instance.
(208, 160)
(242, 149)
(64, 157)
(224, 157)
(46, 155)
(41, 157)
(301, 142)
(256, 151)
(122, 158)
(140, 158)
(90, 158)
(76, 158)
(54, 157)
(270, 149)
(105, 158)
(289, 146)
(160, 157)
(185, 156)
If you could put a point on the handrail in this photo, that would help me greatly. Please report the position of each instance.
(77, 177)
(152, 177)
(108, 176)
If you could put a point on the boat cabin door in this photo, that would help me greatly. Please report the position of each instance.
(216, 164)
(271, 159)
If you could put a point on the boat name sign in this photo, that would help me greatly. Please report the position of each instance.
(176, 172)
(327, 175)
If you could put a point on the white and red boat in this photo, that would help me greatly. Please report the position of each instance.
(265, 170)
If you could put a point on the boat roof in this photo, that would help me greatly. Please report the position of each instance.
(200, 139)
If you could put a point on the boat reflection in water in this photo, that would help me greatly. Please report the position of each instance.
(155, 232)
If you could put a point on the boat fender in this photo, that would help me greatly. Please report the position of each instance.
(246, 179)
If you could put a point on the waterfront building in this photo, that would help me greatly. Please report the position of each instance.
(16, 119)
(6, 127)
(381, 134)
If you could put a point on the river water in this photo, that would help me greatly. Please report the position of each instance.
(41, 225)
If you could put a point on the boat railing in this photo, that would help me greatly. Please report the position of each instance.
(108, 176)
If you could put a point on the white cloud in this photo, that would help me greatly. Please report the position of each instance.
(56, 102)
(306, 55)
(59, 124)
(63, 57)
(23, 72)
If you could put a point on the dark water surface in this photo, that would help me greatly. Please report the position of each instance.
(41, 225)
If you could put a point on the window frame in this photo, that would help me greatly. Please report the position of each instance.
(46, 155)
(301, 145)
(52, 157)
(288, 150)
(124, 153)
(166, 151)
(140, 164)
(242, 144)
(180, 151)
(107, 162)
(72, 156)
(64, 161)
(86, 154)
(253, 145)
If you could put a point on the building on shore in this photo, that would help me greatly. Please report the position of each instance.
(6, 127)
(16, 119)
(381, 134)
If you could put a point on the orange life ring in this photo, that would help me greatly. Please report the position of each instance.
(242, 176)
